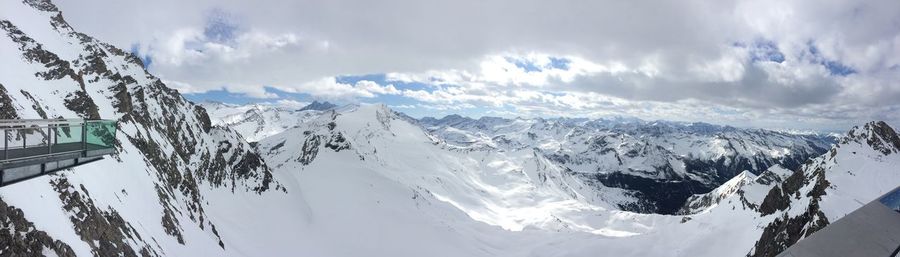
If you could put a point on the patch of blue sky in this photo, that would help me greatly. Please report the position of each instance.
(381, 79)
(762, 50)
(835, 68)
(529, 66)
(838, 68)
(146, 59)
(401, 103)
(225, 96)
(766, 50)
(220, 95)
(524, 64)
(220, 27)
(560, 63)
(303, 97)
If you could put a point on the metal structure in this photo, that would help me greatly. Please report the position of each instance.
(34, 147)
(871, 230)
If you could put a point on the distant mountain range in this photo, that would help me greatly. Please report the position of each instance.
(365, 180)
(659, 164)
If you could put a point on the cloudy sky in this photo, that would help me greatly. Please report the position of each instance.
(756, 63)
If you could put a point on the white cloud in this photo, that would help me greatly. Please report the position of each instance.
(292, 104)
(402, 106)
(460, 48)
(374, 88)
(330, 88)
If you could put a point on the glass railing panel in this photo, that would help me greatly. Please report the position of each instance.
(101, 133)
(892, 200)
(35, 138)
(27, 137)
(65, 134)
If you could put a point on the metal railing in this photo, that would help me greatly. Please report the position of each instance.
(36, 138)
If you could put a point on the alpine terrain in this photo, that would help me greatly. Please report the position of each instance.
(217, 179)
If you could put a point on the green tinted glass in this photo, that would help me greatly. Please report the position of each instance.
(102, 133)
(67, 133)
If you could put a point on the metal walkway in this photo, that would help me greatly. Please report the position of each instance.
(32, 148)
(871, 230)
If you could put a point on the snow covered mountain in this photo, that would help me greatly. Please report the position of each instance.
(658, 164)
(794, 205)
(514, 190)
(371, 150)
(257, 121)
(318, 106)
(162, 193)
(368, 181)
(663, 162)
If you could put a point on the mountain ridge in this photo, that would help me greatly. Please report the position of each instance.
(169, 159)
(748, 200)
(364, 180)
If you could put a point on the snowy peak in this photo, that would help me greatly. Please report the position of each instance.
(856, 171)
(172, 168)
(505, 189)
(318, 106)
(256, 121)
(702, 202)
(666, 162)
(363, 129)
(877, 134)
(457, 121)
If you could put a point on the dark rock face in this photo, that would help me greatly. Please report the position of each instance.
(35, 104)
(785, 230)
(318, 106)
(250, 162)
(34, 52)
(81, 103)
(205, 123)
(668, 196)
(309, 150)
(310, 147)
(779, 197)
(878, 135)
(337, 142)
(7, 107)
(103, 230)
(43, 5)
(659, 196)
(18, 236)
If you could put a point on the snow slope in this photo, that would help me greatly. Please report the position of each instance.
(173, 187)
(550, 212)
(256, 121)
(634, 146)
(860, 168)
(366, 181)
(663, 162)
(660, 163)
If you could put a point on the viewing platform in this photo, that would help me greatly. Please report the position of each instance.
(35, 147)
(871, 230)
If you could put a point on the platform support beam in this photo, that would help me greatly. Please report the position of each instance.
(49, 140)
